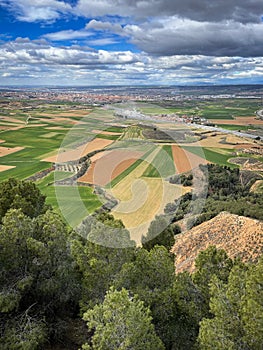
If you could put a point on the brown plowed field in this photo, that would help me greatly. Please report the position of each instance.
(109, 166)
(185, 161)
(239, 121)
(79, 151)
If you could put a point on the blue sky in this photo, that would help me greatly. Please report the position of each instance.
(123, 42)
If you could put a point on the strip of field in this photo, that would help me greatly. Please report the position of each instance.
(103, 132)
(185, 161)
(122, 190)
(240, 121)
(50, 135)
(125, 173)
(6, 167)
(79, 152)
(23, 169)
(4, 151)
(10, 119)
(108, 137)
(108, 167)
(219, 140)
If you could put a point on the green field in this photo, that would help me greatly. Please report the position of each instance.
(69, 203)
(234, 127)
(162, 165)
(226, 108)
(133, 132)
(107, 137)
(40, 142)
(213, 155)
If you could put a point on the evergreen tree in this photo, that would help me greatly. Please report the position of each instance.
(16, 194)
(97, 259)
(37, 279)
(121, 322)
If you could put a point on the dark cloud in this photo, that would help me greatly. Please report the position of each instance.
(243, 11)
(174, 36)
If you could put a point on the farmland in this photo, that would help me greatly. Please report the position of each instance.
(69, 200)
(130, 160)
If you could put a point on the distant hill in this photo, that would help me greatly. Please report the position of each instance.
(239, 236)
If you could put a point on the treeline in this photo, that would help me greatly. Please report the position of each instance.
(70, 290)
(227, 190)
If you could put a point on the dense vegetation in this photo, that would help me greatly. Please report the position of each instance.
(66, 290)
(227, 190)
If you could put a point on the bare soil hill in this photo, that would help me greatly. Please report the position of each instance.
(239, 236)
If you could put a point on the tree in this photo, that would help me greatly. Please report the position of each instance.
(16, 194)
(37, 278)
(121, 322)
(151, 276)
(208, 263)
(252, 306)
(159, 233)
(98, 260)
(190, 304)
(238, 311)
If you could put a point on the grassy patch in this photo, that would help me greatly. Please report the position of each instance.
(234, 127)
(115, 129)
(211, 155)
(23, 169)
(107, 137)
(162, 165)
(133, 132)
(74, 203)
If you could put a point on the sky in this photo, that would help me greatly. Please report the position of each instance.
(131, 42)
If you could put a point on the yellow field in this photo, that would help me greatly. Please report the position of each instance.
(142, 198)
(220, 140)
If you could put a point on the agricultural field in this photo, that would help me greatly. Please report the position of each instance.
(216, 109)
(131, 160)
(69, 201)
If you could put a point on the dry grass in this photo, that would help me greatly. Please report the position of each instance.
(220, 140)
(257, 187)
(148, 197)
(141, 198)
(237, 235)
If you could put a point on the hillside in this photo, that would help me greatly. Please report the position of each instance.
(239, 236)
